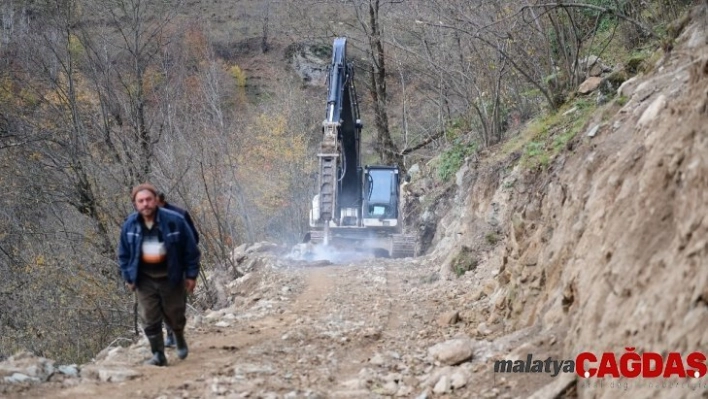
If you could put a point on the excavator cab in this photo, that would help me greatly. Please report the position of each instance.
(380, 200)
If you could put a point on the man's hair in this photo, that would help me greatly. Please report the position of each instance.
(142, 187)
(161, 196)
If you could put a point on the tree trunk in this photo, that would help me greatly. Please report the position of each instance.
(385, 146)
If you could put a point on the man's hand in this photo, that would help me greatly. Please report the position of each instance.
(130, 286)
(189, 285)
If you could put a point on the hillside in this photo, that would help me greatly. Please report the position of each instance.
(600, 248)
(220, 105)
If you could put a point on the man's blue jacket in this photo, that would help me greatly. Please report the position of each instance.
(182, 251)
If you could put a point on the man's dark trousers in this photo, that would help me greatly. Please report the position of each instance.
(158, 300)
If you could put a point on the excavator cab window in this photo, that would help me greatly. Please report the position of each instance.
(380, 186)
(380, 198)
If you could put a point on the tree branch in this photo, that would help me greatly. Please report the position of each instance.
(610, 11)
(423, 143)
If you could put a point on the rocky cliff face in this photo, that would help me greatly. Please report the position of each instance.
(609, 246)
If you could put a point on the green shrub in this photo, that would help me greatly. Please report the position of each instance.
(491, 238)
(451, 160)
(464, 262)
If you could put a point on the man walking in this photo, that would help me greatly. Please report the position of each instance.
(159, 260)
(170, 340)
(187, 217)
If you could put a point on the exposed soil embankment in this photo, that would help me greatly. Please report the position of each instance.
(608, 246)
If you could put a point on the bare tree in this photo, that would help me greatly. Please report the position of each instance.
(266, 21)
(66, 241)
(367, 13)
(126, 57)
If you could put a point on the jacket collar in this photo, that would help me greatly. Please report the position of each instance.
(140, 219)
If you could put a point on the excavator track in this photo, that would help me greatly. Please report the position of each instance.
(400, 245)
(403, 245)
(317, 237)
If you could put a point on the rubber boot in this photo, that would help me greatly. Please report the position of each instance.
(157, 345)
(170, 340)
(182, 350)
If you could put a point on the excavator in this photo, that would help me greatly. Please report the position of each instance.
(355, 207)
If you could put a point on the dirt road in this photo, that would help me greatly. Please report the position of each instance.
(360, 330)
